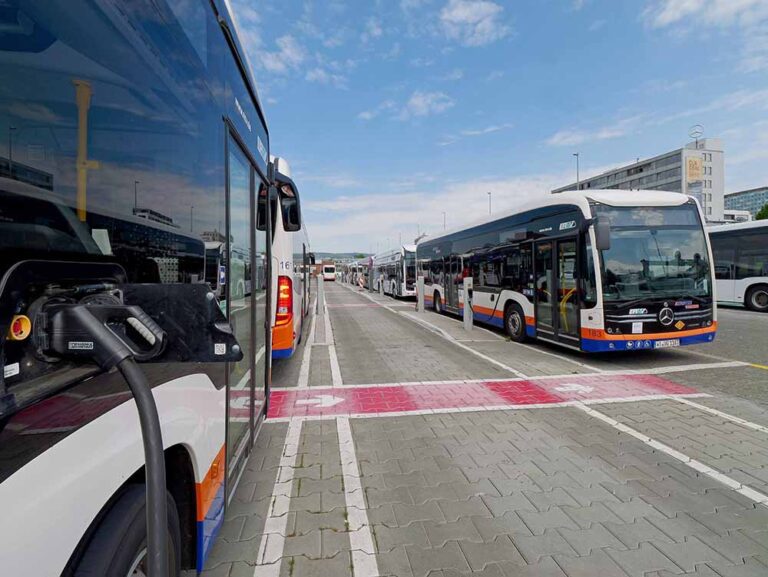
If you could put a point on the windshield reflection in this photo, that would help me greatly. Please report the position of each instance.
(655, 253)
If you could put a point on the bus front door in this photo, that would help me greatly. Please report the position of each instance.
(556, 290)
(567, 319)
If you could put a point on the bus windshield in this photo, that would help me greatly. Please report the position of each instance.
(656, 252)
(410, 266)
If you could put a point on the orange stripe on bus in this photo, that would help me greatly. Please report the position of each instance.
(282, 337)
(602, 335)
(207, 489)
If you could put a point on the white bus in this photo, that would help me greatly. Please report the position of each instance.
(329, 272)
(355, 270)
(291, 259)
(168, 119)
(741, 263)
(593, 271)
(396, 270)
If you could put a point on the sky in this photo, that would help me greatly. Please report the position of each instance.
(392, 113)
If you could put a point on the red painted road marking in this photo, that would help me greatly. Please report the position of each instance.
(412, 398)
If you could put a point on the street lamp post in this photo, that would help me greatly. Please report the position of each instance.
(578, 179)
(489, 203)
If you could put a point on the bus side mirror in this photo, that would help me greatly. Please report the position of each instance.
(289, 201)
(603, 235)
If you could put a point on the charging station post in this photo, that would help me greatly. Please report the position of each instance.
(420, 294)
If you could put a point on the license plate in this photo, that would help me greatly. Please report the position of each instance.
(666, 344)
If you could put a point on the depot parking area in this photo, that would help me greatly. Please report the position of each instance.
(398, 444)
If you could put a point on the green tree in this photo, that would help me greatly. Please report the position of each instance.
(762, 214)
(361, 255)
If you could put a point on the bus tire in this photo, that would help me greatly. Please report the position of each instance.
(437, 304)
(117, 544)
(757, 298)
(514, 323)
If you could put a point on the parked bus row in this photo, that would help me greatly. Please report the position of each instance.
(598, 271)
(141, 180)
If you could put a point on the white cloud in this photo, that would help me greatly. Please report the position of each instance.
(425, 104)
(372, 30)
(451, 139)
(662, 13)
(359, 222)
(597, 25)
(421, 62)
(747, 18)
(575, 136)
(495, 75)
(473, 22)
(454, 75)
(323, 76)
(289, 56)
(376, 111)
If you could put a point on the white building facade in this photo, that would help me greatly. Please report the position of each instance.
(697, 169)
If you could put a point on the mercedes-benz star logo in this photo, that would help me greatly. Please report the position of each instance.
(666, 316)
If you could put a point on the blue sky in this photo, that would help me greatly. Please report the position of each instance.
(391, 113)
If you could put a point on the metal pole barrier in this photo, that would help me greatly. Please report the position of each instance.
(381, 286)
(420, 294)
(468, 316)
(320, 294)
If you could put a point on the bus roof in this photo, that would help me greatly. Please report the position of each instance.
(581, 200)
(753, 224)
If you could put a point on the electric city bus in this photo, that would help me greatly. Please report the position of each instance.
(593, 271)
(291, 259)
(108, 109)
(396, 270)
(741, 263)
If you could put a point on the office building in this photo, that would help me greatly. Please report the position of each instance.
(696, 169)
(752, 200)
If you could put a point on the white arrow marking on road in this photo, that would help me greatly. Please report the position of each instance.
(321, 401)
(574, 388)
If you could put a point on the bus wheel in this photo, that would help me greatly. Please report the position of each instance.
(514, 323)
(757, 298)
(437, 303)
(118, 547)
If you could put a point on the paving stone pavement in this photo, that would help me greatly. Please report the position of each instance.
(545, 492)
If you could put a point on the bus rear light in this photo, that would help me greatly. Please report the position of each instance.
(284, 301)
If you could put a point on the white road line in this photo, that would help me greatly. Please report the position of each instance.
(329, 338)
(729, 482)
(440, 332)
(487, 408)
(272, 544)
(306, 358)
(360, 539)
(560, 357)
(726, 416)
(617, 373)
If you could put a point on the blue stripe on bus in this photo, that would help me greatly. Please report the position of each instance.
(208, 528)
(282, 353)
(599, 346)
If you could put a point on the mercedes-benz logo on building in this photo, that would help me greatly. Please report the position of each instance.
(666, 316)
